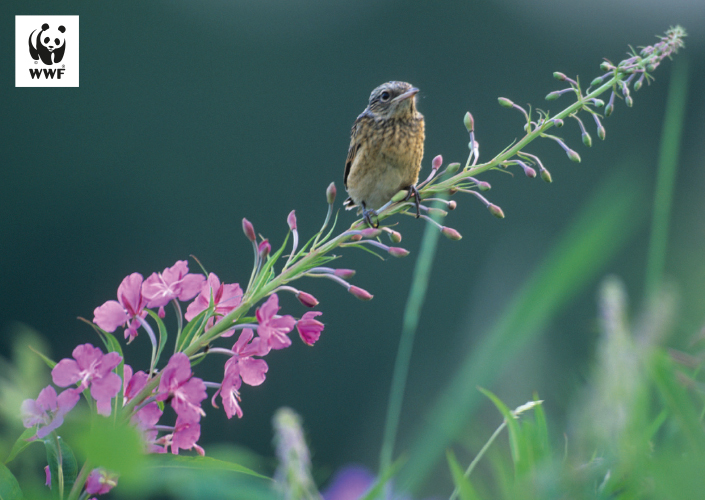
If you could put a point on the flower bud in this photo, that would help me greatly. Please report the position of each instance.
(437, 211)
(650, 67)
(553, 95)
(437, 162)
(452, 168)
(629, 101)
(587, 140)
(395, 236)
(452, 190)
(356, 237)
(248, 229)
(330, 193)
(605, 66)
(291, 220)
(484, 186)
(451, 233)
(307, 299)
(495, 210)
(573, 155)
(452, 204)
(637, 84)
(264, 249)
(598, 103)
(601, 132)
(530, 172)
(504, 102)
(546, 175)
(469, 122)
(370, 232)
(609, 109)
(360, 293)
(398, 252)
(346, 274)
(597, 81)
(557, 122)
(559, 76)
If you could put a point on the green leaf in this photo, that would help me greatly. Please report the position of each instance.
(118, 447)
(9, 487)
(50, 363)
(515, 437)
(462, 483)
(21, 443)
(64, 471)
(193, 326)
(162, 335)
(169, 461)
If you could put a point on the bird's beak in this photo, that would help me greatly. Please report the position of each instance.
(409, 93)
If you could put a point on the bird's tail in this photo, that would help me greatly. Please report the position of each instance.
(349, 204)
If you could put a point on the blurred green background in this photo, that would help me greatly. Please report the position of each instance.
(192, 115)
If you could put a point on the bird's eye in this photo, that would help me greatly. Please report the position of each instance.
(384, 96)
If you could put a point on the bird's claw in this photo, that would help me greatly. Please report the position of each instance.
(367, 215)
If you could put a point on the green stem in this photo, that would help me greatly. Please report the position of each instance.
(666, 174)
(80, 481)
(412, 312)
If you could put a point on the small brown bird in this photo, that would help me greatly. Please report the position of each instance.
(386, 148)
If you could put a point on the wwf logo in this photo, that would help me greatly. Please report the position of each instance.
(47, 44)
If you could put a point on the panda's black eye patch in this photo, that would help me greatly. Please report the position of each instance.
(384, 96)
(57, 41)
(46, 40)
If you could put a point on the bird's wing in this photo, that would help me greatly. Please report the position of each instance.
(352, 150)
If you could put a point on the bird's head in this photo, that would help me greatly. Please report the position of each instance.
(393, 99)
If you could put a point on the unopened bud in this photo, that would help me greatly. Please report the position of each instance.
(469, 122)
(546, 175)
(291, 220)
(530, 172)
(452, 190)
(504, 102)
(650, 67)
(452, 204)
(637, 85)
(248, 229)
(395, 236)
(601, 132)
(264, 249)
(437, 211)
(330, 193)
(398, 252)
(495, 210)
(451, 233)
(360, 293)
(553, 95)
(559, 76)
(307, 299)
(370, 232)
(452, 168)
(605, 66)
(484, 186)
(609, 109)
(598, 103)
(356, 237)
(597, 81)
(587, 140)
(557, 122)
(437, 162)
(629, 101)
(573, 155)
(346, 274)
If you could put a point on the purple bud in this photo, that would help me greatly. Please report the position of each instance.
(395, 236)
(360, 293)
(248, 229)
(530, 172)
(437, 162)
(504, 102)
(346, 274)
(264, 249)
(452, 168)
(452, 204)
(330, 193)
(307, 299)
(451, 233)
(573, 155)
(495, 210)
(370, 232)
(398, 252)
(291, 220)
(546, 175)
(469, 122)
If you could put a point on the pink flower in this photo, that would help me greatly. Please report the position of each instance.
(185, 436)
(91, 367)
(309, 328)
(225, 298)
(185, 391)
(273, 329)
(129, 306)
(100, 481)
(133, 383)
(229, 392)
(174, 282)
(48, 410)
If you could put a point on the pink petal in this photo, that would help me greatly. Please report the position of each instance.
(191, 285)
(253, 371)
(110, 315)
(66, 373)
(242, 341)
(130, 293)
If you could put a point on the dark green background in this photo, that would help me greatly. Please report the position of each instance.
(192, 115)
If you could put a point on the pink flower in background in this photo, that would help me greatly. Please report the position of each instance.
(126, 310)
(251, 370)
(174, 282)
(91, 367)
(229, 393)
(310, 328)
(100, 481)
(185, 391)
(185, 437)
(48, 410)
(273, 329)
(225, 298)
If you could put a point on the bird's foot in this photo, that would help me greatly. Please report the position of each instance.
(367, 214)
(417, 199)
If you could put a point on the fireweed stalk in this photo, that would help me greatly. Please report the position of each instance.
(219, 310)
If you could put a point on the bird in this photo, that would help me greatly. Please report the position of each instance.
(386, 149)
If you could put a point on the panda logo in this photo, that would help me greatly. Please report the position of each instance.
(48, 41)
